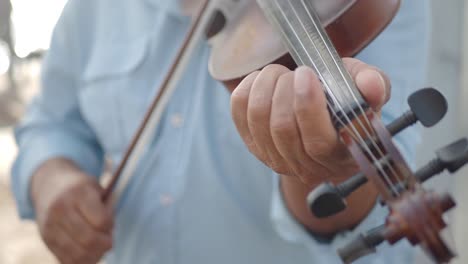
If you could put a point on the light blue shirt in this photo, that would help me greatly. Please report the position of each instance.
(198, 196)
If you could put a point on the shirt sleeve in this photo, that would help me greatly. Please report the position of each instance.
(53, 125)
(401, 52)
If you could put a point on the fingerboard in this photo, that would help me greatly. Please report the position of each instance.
(309, 45)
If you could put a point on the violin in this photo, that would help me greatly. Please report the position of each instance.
(247, 35)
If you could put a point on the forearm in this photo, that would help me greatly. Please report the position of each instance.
(295, 193)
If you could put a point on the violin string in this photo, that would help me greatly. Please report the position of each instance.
(362, 142)
(348, 85)
(329, 104)
(347, 81)
(333, 95)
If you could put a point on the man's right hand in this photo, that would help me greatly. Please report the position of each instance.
(73, 221)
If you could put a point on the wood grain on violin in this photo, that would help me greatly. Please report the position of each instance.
(249, 42)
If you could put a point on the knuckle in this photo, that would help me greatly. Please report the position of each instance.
(354, 65)
(239, 97)
(285, 83)
(87, 187)
(49, 239)
(249, 142)
(262, 157)
(304, 94)
(304, 172)
(318, 172)
(319, 148)
(283, 126)
(48, 227)
(65, 259)
(57, 208)
(277, 167)
(301, 108)
(89, 241)
(103, 222)
(259, 110)
(284, 171)
(84, 259)
(251, 145)
(76, 188)
(300, 171)
(286, 80)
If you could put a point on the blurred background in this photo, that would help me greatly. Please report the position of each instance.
(25, 29)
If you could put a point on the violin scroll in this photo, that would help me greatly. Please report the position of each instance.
(418, 217)
(428, 106)
(451, 158)
(402, 223)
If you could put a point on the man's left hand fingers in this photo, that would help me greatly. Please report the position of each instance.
(372, 82)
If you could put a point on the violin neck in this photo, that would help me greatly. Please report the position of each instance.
(309, 45)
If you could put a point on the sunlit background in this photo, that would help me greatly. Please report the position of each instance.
(33, 22)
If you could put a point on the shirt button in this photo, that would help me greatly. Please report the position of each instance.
(166, 199)
(177, 120)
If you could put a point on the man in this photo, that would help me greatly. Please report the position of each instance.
(198, 196)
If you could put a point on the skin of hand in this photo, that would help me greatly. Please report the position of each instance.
(283, 119)
(73, 221)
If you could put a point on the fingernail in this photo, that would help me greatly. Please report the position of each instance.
(302, 79)
(301, 74)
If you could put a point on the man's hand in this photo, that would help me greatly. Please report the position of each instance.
(74, 222)
(282, 117)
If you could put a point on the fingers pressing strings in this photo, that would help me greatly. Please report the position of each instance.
(372, 82)
(259, 115)
(319, 136)
(286, 133)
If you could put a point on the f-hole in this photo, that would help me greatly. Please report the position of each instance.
(216, 24)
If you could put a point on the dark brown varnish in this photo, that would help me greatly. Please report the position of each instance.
(249, 42)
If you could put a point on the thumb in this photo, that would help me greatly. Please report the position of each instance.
(93, 209)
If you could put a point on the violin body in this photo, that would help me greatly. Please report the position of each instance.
(247, 35)
(248, 42)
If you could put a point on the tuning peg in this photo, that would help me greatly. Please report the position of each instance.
(451, 158)
(395, 229)
(363, 245)
(327, 199)
(428, 106)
